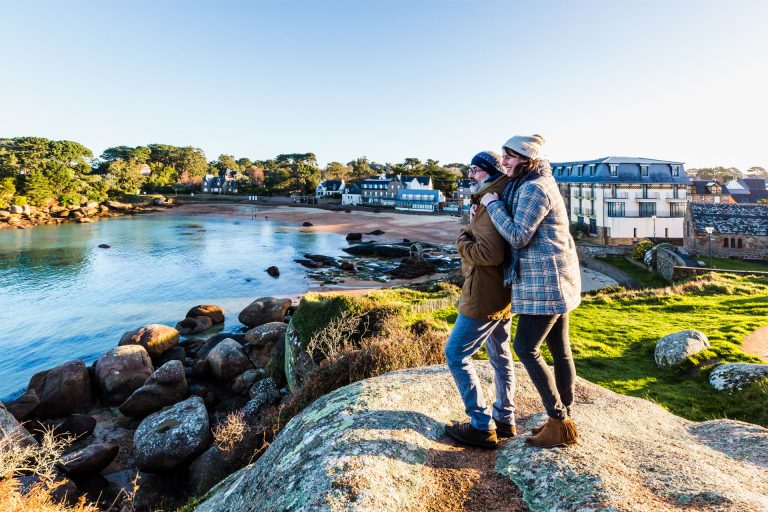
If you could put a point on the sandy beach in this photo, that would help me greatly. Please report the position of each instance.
(439, 229)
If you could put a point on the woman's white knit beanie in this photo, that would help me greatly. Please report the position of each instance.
(527, 145)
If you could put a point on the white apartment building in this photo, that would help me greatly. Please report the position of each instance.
(622, 200)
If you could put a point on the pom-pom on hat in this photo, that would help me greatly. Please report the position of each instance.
(529, 146)
(488, 161)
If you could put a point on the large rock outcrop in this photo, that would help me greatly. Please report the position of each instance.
(368, 446)
(166, 386)
(121, 371)
(674, 349)
(62, 390)
(155, 338)
(264, 310)
(172, 436)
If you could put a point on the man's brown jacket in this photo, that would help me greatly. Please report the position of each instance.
(483, 296)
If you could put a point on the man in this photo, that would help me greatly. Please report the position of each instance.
(484, 316)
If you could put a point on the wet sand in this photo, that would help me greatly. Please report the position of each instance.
(441, 229)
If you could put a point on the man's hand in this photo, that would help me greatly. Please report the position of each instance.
(472, 212)
(487, 198)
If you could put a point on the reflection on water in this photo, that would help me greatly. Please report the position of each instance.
(62, 297)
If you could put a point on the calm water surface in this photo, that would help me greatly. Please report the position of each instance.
(63, 298)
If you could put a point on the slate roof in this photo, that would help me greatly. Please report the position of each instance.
(701, 187)
(628, 171)
(332, 185)
(752, 190)
(423, 180)
(354, 189)
(731, 219)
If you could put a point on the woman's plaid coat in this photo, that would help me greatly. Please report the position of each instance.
(535, 223)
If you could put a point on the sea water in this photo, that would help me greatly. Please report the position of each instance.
(63, 298)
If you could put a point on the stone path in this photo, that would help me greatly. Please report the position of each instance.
(592, 280)
(756, 343)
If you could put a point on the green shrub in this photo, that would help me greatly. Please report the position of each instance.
(579, 229)
(19, 200)
(641, 248)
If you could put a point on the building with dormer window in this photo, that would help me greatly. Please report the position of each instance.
(623, 200)
(329, 187)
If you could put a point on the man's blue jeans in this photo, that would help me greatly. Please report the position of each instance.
(467, 337)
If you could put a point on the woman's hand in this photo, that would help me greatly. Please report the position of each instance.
(487, 198)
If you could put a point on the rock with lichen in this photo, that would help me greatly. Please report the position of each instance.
(366, 447)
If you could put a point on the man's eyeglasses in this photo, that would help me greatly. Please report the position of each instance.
(474, 169)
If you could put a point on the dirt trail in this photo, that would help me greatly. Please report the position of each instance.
(756, 343)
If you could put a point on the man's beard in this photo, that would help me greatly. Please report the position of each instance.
(477, 185)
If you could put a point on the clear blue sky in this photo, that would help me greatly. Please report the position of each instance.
(389, 79)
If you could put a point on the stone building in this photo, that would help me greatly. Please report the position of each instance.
(738, 230)
(709, 191)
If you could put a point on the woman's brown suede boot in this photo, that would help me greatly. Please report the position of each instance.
(555, 433)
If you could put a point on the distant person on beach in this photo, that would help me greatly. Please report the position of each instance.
(484, 316)
(542, 268)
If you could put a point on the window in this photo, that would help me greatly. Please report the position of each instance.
(614, 191)
(616, 209)
(643, 170)
(644, 189)
(725, 243)
(677, 210)
(579, 169)
(591, 169)
(675, 192)
(569, 170)
(647, 209)
(740, 244)
(733, 243)
(675, 170)
(614, 169)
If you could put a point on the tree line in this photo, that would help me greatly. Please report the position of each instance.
(726, 174)
(39, 171)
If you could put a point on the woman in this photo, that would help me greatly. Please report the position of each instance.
(542, 268)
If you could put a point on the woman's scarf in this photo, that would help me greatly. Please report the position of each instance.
(511, 255)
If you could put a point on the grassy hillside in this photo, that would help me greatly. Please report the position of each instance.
(614, 335)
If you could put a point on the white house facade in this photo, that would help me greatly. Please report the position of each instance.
(329, 187)
(622, 200)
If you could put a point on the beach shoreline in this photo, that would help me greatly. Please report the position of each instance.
(438, 229)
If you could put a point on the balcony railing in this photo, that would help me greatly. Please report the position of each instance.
(578, 194)
(646, 195)
(578, 211)
(588, 194)
(589, 212)
(609, 194)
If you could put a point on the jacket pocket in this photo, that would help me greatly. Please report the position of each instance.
(539, 279)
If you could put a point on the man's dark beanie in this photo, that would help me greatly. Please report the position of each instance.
(488, 161)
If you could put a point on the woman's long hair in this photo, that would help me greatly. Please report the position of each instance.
(526, 166)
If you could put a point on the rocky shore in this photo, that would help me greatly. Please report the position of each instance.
(22, 217)
(151, 407)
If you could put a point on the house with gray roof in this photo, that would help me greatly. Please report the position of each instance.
(709, 191)
(383, 189)
(738, 230)
(625, 199)
(747, 190)
(329, 187)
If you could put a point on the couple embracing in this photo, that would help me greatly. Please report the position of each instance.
(517, 257)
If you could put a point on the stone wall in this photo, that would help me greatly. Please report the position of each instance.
(586, 251)
(666, 261)
(753, 247)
